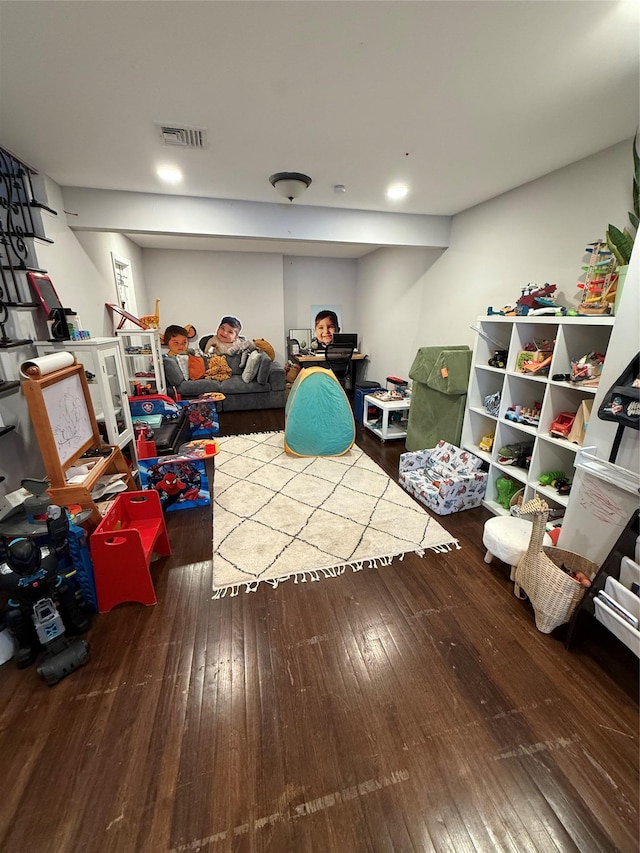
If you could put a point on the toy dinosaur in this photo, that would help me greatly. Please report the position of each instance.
(550, 477)
(517, 454)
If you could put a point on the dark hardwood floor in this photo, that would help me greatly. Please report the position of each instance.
(407, 708)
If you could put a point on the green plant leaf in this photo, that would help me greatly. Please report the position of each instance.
(620, 243)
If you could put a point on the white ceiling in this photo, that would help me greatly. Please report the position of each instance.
(461, 101)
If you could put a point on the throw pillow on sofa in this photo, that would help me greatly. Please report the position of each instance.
(251, 367)
(264, 369)
(172, 372)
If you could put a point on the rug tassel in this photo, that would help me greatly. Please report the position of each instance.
(442, 549)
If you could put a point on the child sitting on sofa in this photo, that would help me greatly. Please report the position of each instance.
(224, 339)
(176, 339)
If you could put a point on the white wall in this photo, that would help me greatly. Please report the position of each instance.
(80, 267)
(201, 287)
(535, 233)
(390, 293)
(318, 281)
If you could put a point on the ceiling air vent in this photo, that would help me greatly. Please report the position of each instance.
(183, 137)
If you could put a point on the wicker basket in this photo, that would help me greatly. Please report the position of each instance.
(516, 502)
(554, 595)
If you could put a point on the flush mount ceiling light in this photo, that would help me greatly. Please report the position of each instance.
(397, 192)
(169, 175)
(290, 184)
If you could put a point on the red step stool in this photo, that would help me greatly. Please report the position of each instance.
(121, 548)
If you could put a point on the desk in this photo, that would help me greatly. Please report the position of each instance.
(320, 361)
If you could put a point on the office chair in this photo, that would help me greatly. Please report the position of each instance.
(293, 347)
(338, 359)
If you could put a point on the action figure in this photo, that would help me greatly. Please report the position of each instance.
(42, 604)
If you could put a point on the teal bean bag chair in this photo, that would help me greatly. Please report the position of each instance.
(318, 417)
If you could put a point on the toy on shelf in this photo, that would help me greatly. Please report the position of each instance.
(492, 404)
(535, 299)
(506, 488)
(487, 442)
(562, 424)
(587, 369)
(562, 486)
(535, 357)
(550, 478)
(600, 280)
(524, 415)
(517, 454)
(152, 321)
(507, 311)
(499, 357)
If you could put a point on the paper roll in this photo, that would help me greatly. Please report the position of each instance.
(36, 368)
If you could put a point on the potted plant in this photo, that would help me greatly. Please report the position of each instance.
(620, 243)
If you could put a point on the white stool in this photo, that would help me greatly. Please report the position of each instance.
(507, 538)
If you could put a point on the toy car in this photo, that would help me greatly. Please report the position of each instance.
(499, 359)
(487, 442)
(523, 414)
(561, 425)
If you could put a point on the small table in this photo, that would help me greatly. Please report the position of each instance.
(380, 424)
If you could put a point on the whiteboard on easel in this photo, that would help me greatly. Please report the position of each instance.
(68, 416)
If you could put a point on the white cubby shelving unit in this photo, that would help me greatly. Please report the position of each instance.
(572, 338)
(142, 356)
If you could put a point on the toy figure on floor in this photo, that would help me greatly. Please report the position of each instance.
(42, 605)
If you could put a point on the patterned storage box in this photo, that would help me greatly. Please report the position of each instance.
(180, 481)
(445, 478)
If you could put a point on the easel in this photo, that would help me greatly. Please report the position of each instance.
(66, 428)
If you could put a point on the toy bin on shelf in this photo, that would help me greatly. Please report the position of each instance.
(122, 546)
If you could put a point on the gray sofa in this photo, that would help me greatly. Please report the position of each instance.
(266, 391)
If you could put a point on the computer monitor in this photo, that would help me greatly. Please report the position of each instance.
(346, 339)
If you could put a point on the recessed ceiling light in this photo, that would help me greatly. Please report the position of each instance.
(397, 191)
(169, 175)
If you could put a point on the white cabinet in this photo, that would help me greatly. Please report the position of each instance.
(571, 338)
(142, 360)
(103, 362)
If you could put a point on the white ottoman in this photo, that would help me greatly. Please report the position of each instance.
(507, 538)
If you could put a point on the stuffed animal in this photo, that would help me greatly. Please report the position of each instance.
(242, 345)
(265, 346)
(218, 368)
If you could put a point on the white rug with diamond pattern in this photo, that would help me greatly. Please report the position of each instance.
(278, 517)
